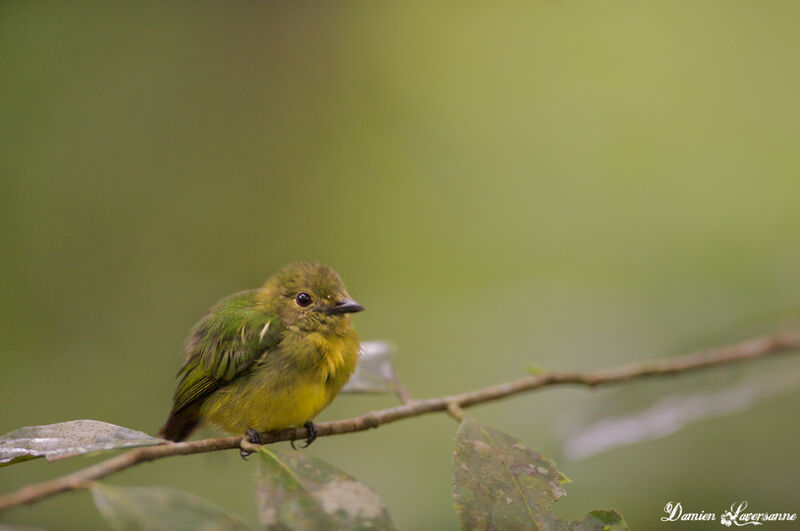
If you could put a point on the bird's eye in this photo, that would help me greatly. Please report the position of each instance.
(303, 299)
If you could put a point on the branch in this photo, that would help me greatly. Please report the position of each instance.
(751, 349)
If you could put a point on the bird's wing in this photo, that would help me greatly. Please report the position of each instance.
(224, 345)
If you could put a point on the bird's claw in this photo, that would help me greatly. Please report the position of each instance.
(248, 443)
(254, 437)
(312, 430)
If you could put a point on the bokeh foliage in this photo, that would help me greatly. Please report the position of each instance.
(565, 184)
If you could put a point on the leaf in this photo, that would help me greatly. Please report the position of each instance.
(602, 426)
(498, 483)
(297, 491)
(535, 370)
(375, 370)
(160, 509)
(65, 439)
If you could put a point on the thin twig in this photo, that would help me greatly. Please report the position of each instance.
(402, 393)
(751, 349)
(455, 411)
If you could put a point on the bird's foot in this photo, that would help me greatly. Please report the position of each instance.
(254, 437)
(312, 430)
(251, 437)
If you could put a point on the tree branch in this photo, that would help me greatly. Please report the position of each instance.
(751, 349)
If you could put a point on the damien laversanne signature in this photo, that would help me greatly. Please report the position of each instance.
(736, 515)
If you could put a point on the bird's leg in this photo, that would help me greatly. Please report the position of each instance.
(312, 430)
(253, 437)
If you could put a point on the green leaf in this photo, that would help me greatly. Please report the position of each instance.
(65, 439)
(535, 370)
(160, 509)
(498, 483)
(375, 370)
(297, 491)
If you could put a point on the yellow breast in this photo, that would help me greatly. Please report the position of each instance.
(289, 391)
(336, 353)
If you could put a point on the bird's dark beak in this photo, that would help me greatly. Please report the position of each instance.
(345, 306)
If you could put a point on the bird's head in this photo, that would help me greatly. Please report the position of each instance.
(310, 296)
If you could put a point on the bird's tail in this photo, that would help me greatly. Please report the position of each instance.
(179, 425)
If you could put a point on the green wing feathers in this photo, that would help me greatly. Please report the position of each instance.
(222, 346)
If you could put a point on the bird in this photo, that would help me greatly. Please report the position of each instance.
(268, 359)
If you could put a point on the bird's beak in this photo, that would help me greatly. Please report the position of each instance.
(345, 306)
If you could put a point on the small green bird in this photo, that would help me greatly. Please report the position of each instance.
(268, 359)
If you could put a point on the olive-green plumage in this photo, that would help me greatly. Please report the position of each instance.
(267, 359)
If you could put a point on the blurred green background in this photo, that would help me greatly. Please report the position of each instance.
(572, 185)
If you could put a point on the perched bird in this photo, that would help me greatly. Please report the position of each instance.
(268, 359)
